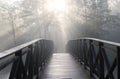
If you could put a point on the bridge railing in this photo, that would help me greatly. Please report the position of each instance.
(100, 57)
(27, 59)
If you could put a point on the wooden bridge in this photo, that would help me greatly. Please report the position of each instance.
(86, 58)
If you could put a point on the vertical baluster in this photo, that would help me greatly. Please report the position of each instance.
(85, 48)
(19, 70)
(18, 66)
(82, 51)
(118, 62)
(80, 46)
(30, 62)
(91, 57)
(37, 60)
(101, 62)
(79, 50)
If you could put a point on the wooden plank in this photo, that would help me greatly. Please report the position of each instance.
(63, 66)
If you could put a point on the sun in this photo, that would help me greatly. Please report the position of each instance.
(56, 5)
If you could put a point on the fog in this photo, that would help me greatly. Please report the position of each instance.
(59, 20)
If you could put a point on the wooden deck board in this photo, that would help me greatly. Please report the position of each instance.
(63, 66)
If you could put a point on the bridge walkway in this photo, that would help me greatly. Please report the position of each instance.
(63, 66)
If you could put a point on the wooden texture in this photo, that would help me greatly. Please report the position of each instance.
(63, 66)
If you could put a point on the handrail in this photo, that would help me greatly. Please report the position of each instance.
(99, 56)
(14, 49)
(27, 59)
(103, 41)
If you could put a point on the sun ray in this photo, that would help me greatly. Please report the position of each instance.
(56, 5)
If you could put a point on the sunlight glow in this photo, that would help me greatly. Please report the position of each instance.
(56, 5)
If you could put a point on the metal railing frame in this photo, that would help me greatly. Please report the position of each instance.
(36, 53)
(91, 52)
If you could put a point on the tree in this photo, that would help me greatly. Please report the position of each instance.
(98, 13)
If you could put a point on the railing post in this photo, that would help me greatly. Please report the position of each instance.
(80, 55)
(91, 57)
(79, 50)
(82, 50)
(101, 62)
(36, 59)
(118, 62)
(15, 68)
(84, 53)
(30, 62)
(18, 69)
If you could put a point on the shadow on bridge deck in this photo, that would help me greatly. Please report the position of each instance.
(63, 66)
